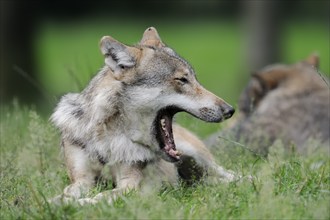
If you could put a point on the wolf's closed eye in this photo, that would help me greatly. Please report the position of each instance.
(182, 80)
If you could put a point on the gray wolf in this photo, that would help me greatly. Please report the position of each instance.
(122, 121)
(286, 102)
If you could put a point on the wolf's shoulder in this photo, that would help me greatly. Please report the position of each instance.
(69, 114)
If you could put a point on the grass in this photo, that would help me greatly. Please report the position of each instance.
(287, 186)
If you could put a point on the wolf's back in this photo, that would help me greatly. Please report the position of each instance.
(293, 119)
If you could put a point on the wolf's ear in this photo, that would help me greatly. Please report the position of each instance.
(151, 38)
(117, 55)
(313, 60)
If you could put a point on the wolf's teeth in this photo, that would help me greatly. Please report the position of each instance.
(162, 122)
(174, 153)
(178, 153)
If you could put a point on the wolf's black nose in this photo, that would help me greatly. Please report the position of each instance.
(228, 112)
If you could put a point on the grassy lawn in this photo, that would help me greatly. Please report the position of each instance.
(32, 169)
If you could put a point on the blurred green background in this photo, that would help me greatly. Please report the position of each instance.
(51, 48)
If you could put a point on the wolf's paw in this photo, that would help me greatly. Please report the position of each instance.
(87, 201)
(229, 176)
(103, 196)
(241, 178)
(60, 200)
(235, 177)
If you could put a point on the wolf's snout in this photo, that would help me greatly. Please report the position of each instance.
(210, 115)
(218, 111)
(216, 114)
(228, 112)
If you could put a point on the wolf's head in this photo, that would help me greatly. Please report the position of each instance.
(156, 84)
(297, 78)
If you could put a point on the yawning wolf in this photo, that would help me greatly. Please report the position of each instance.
(123, 120)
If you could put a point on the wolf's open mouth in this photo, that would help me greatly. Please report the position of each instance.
(164, 133)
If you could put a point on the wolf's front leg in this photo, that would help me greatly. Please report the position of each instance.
(126, 178)
(197, 153)
(81, 172)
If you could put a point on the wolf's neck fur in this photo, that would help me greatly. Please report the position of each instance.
(97, 119)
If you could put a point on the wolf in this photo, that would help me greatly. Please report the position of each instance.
(122, 123)
(290, 103)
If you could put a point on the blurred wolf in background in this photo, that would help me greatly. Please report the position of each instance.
(286, 102)
(123, 121)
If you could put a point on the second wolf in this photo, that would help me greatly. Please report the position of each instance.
(286, 102)
(123, 120)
